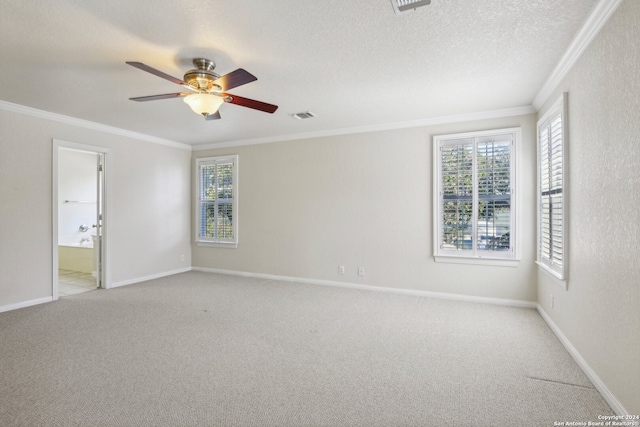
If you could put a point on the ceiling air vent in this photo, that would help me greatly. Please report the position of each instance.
(400, 6)
(301, 116)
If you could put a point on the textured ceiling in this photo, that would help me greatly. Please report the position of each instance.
(353, 63)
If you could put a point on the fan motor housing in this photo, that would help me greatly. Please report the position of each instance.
(202, 77)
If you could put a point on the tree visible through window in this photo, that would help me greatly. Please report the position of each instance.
(475, 203)
(217, 187)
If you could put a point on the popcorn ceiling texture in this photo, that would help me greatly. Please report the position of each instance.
(599, 313)
(354, 63)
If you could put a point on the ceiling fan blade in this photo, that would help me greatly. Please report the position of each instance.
(250, 103)
(235, 78)
(214, 116)
(156, 97)
(155, 72)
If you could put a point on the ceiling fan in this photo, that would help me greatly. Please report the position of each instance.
(208, 89)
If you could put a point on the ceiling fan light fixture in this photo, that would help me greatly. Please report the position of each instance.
(210, 89)
(204, 103)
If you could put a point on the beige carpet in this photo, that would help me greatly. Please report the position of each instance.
(200, 349)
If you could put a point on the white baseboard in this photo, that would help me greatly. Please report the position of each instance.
(441, 295)
(146, 278)
(113, 285)
(24, 304)
(593, 377)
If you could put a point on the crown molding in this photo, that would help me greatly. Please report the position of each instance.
(508, 112)
(33, 112)
(594, 23)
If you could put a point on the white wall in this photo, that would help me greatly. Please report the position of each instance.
(599, 313)
(149, 225)
(307, 206)
(77, 195)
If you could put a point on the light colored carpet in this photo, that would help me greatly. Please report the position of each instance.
(201, 349)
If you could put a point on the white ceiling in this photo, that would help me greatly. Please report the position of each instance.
(354, 63)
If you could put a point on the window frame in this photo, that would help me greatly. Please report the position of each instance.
(559, 108)
(216, 242)
(477, 256)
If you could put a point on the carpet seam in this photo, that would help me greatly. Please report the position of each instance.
(561, 382)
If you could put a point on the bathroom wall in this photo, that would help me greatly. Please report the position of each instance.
(77, 193)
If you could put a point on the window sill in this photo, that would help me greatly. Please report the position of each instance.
(497, 262)
(556, 277)
(229, 245)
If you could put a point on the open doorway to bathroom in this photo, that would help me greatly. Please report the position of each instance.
(79, 218)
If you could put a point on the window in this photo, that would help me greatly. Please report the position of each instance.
(216, 211)
(474, 196)
(551, 189)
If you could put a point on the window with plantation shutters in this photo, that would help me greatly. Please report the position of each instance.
(216, 211)
(475, 208)
(551, 190)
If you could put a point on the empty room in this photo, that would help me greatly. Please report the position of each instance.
(320, 213)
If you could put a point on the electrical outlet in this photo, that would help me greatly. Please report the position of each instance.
(360, 271)
(341, 269)
(552, 301)
(181, 257)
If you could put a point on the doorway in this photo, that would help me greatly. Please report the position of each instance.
(79, 218)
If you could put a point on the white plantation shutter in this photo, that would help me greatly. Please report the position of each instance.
(494, 205)
(457, 195)
(551, 190)
(217, 201)
(475, 204)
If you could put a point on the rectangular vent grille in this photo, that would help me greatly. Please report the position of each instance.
(305, 115)
(406, 5)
